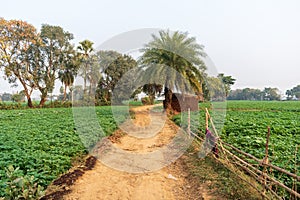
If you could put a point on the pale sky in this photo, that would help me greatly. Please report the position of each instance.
(255, 41)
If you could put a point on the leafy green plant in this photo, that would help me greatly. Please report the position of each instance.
(43, 142)
(21, 187)
(246, 125)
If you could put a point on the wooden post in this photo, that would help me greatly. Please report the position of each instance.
(206, 119)
(295, 180)
(265, 162)
(189, 122)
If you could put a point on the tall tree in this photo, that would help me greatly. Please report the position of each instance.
(228, 81)
(67, 78)
(16, 37)
(114, 66)
(69, 71)
(85, 48)
(93, 74)
(181, 53)
(52, 54)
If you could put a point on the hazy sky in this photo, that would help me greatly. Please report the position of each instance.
(255, 41)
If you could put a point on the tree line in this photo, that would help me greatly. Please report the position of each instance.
(267, 94)
(36, 59)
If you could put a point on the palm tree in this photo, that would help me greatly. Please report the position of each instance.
(180, 53)
(151, 90)
(86, 48)
(67, 78)
(93, 74)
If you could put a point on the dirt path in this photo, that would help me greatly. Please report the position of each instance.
(148, 134)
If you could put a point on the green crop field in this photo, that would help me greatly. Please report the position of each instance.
(43, 142)
(245, 127)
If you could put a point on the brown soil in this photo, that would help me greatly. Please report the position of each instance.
(102, 182)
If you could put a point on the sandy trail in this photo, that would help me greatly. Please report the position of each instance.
(103, 182)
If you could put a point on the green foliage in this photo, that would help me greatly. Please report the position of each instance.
(293, 93)
(174, 52)
(214, 89)
(228, 81)
(42, 142)
(246, 127)
(135, 103)
(16, 36)
(115, 67)
(268, 94)
(18, 97)
(21, 187)
(52, 54)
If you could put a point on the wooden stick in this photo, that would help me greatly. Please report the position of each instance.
(214, 128)
(234, 170)
(294, 180)
(206, 119)
(266, 161)
(260, 161)
(199, 138)
(268, 177)
(189, 122)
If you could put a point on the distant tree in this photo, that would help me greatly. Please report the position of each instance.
(215, 89)
(228, 81)
(68, 73)
(182, 54)
(16, 38)
(151, 90)
(271, 94)
(246, 94)
(85, 49)
(67, 79)
(6, 97)
(296, 92)
(18, 97)
(77, 92)
(114, 69)
(93, 74)
(289, 94)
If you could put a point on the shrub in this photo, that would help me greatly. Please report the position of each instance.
(21, 187)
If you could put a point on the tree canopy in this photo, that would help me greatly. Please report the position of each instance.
(16, 38)
(179, 52)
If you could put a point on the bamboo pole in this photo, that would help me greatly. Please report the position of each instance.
(263, 162)
(268, 177)
(234, 170)
(214, 128)
(206, 119)
(266, 161)
(260, 161)
(189, 122)
(294, 180)
(195, 135)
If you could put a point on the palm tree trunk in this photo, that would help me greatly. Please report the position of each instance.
(168, 99)
(65, 93)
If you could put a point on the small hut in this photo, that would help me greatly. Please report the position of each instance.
(182, 102)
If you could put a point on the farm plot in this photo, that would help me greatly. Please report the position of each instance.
(245, 127)
(43, 142)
